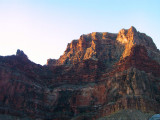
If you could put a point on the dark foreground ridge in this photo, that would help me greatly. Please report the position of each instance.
(99, 76)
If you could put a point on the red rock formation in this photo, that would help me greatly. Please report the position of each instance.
(132, 37)
(139, 59)
(96, 46)
(98, 74)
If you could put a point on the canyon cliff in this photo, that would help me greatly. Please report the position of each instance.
(98, 75)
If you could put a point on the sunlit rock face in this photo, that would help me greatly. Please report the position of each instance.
(99, 74)
(106, 47)
(96, 46)
(132, 37)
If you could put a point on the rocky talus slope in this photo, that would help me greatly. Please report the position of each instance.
(99, 76)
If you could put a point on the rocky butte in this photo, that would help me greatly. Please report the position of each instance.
(100, 76)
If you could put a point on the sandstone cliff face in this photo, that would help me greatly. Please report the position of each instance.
(132, 37)
(95, 46)
(106, 47)
(98, 74)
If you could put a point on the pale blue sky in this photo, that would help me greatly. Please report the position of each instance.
(43, 28)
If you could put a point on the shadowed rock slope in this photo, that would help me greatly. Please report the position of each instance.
(98, 75)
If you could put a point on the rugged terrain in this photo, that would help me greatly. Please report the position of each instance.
(99, 75)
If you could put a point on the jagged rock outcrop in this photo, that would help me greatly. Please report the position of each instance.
(132, 37)
(98, 75)
(95, 46)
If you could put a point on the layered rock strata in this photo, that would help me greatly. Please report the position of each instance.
(98, 74)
